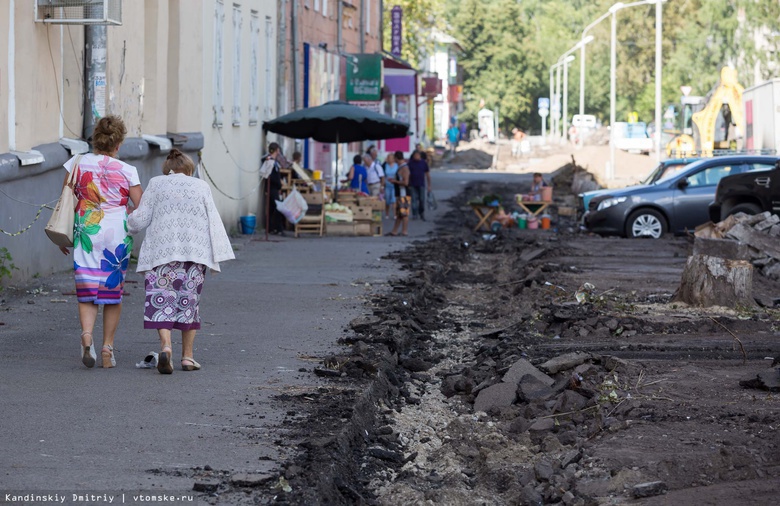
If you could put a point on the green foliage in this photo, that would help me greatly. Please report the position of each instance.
(419, 18)
(6, 265)
(509, 47)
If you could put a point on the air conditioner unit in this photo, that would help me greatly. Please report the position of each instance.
(79, 12)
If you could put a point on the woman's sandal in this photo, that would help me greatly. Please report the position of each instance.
(108, 356)
(192, 366)
(88, 355)
(164, 364)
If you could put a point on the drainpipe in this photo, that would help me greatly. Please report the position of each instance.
(339, 34)
(381, 26)
(95, 42)
(281, 57)
(362, 26)
(294, 42)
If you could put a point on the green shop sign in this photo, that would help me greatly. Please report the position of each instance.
(364, 77)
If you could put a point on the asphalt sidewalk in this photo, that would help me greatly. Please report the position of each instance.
(69, 428)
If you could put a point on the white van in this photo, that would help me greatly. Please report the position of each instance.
(584, 121)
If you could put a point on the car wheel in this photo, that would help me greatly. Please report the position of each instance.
(646, 223)
(745, 207)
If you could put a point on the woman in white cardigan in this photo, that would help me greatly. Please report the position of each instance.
(185, 236)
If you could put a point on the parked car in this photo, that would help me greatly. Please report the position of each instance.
(749, 193)
(676, 203)
(632, 137)
(664, 169)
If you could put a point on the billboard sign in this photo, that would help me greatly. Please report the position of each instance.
(364, 77)
(396, 30)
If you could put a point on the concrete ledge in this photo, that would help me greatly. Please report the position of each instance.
(54, 156)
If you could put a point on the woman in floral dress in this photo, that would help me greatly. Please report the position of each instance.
(101, 245)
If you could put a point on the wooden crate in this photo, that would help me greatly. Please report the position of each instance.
(376, 229)
(364, 227)
(373, 203)
(376, 216)
(340, 228)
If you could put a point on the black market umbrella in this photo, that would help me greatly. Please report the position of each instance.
(337, 122)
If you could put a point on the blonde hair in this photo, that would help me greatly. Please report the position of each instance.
(109, 133)
(179, 163)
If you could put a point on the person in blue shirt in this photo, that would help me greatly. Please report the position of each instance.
(453, 135)
(357, 176)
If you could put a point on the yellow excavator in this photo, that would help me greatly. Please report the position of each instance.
(718, 124)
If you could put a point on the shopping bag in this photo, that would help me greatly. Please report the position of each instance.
(267, 167)
(293, 207)
(59, 229)
(432, 204)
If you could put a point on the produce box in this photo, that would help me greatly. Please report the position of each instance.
(340, 228)
(567, 211)
(359, 212)
(372, 203)
(364, 228)
(376, 216)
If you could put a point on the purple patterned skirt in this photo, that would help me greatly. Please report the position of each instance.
(172, 296)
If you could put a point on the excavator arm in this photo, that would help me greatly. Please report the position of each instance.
(728, 92)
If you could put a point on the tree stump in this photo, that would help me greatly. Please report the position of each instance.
(714, 281)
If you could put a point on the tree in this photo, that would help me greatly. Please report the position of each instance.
(419, 18)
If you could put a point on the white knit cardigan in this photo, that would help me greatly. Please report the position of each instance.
(183, 222)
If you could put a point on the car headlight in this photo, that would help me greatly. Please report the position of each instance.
(607, 203)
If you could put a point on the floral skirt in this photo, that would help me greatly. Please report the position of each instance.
(172, 296)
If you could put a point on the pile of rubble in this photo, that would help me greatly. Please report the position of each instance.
(759, 232)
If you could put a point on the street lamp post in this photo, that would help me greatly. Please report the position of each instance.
(658, 33)
(582, 59)
(567, 58)
(612, 77)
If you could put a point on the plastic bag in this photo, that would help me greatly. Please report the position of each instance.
(267, 168)
(432, 204)
(293, 207)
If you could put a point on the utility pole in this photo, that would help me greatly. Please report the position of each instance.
(95, 42)
(281, 58)
(362, 26)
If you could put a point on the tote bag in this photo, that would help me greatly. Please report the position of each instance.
(59, 229)
(293, 207)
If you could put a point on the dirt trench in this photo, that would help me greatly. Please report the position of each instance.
(492, 374)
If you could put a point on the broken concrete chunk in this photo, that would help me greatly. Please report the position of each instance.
(531, 389)
(767, 380)
(570, 401)
(775, 230)
(767, 223)
(416, 364)
(496, 396)
(542, 425)
(382, 454)
(570, 457)
(523, 367)
(364, 323)
(649, 489)
(249, 479)
(543, 470)
(565, 362)
(206, 485)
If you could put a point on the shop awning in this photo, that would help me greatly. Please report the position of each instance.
(400, 85)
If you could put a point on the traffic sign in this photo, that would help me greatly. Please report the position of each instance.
(544, 112)
(543, 103)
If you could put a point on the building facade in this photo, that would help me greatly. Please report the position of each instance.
(196, 74)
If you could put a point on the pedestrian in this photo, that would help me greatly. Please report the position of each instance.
(375, 176)
(452, 137)
(185, 236)
(101, 246)
(423, 153)
(357, 176)
(402, 199)
(299, 171)
(419, 180)
(517, 139)
(537, 185)
(275, 219)
(390, 169)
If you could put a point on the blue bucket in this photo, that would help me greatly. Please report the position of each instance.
(248, 224)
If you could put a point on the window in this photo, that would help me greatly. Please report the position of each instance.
(325, 8)
(254, 68)
(269, 66)
(711, 176)
(368, 16)
(236, 111)
(219, 21)
(316, 5)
